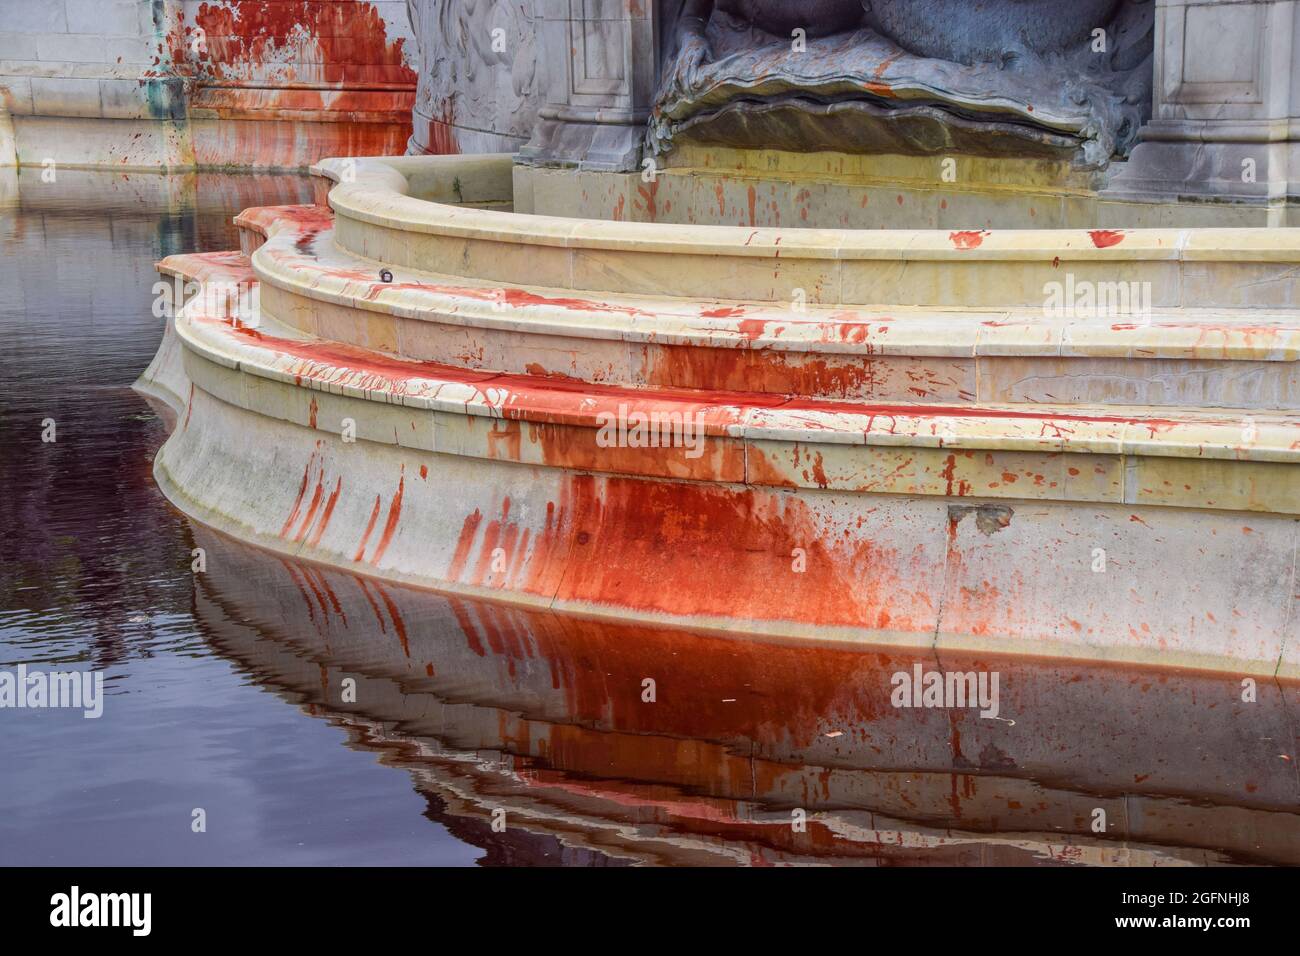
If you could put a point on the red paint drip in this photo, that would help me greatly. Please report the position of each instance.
(370, 526)
(297, 502)
(243, 42)
(311, 509)
(398, 624)
(383, 627)
(326, 514)
(464, 546)
(390, 524)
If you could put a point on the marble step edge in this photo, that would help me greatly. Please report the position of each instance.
(300, 260)
(375, 190)
(1068, 454)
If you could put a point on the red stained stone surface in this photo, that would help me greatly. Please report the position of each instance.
(284, 83)
(1105, 238)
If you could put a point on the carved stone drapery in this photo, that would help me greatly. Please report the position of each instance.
(1018, 77)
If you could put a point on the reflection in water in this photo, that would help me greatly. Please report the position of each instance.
(95, 572)
(492, 709)
(490, 706)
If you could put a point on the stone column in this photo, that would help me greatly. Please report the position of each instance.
(1226, 117)
(597, 62)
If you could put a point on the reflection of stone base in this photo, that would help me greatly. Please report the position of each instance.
(489, 705)
(231, 128)
(610, 147)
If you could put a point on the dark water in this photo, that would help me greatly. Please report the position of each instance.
(317, 717)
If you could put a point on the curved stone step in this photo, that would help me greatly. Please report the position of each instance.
(1191, 458)
(491, 438)
(1209, 358)
(476, 499)
(384, 214)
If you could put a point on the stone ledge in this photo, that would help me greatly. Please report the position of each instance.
(378, 218)
(303, 261)
(960, 575)
(1017, 452)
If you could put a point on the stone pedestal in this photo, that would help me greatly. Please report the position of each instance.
(598, 65)
(1226, 118)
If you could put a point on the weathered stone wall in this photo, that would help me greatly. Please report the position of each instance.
(177, 83)
(480, 83)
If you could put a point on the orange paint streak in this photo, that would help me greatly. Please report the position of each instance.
(620, 529)
(464, 546)
(370, 526)
(297, 503)
(390, 524)
(327, 514)
(383, 627)
(311, 509)
(399, 625)
(578, 402)
(504, 442)
(648, 193)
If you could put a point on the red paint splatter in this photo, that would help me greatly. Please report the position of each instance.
(1105, 238)
(648, 193)
(244, 42)
(969, 239)
(726, 312)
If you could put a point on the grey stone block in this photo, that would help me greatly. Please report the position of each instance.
(61, 96)
(17, 46)
(71, 48)
(128, 50)
(123, 99)
(22, 16)
(106, 17)
(16, 94)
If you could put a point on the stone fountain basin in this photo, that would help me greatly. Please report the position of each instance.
(945, 458)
